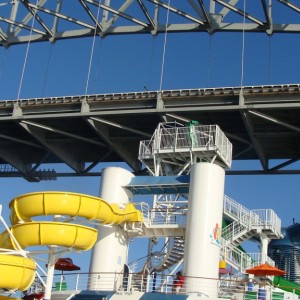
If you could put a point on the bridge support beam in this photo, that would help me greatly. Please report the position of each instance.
(203, 232)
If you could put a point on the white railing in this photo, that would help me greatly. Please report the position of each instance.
(269, 219)
(235, 257)
(139, 265)
(191, 138)
(146, 149)
(263, 218)
(227, 286)
(244, 219)
(241, 260)
(144, 207)
(234, 229)
(235, 209)
(168, 216)
(162, 216)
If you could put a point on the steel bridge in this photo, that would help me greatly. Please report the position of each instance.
(262, 122)
(22, 21)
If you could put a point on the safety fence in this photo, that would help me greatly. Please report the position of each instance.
(226, 286)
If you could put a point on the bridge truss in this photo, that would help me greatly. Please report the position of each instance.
(41, 20)
(262, 122)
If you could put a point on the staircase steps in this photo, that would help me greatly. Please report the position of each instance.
(139, 281)
(244, 237)
(174, 254)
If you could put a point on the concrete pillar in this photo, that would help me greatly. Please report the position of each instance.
(111, 249)
(203, 231)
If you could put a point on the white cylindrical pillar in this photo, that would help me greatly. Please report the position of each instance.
(203, 231)
(264, 242)
(50, 274)
(111, 249)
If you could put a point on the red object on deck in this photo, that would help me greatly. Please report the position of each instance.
(65, 264)
(35, 296)
(223, 271)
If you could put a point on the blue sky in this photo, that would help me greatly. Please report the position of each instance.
(129, 63)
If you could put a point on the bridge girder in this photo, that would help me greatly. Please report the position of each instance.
(22, 21)
(84, 131)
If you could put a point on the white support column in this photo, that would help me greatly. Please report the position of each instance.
(264, 241)
(50, 274)
(111, 249)
(203, 231)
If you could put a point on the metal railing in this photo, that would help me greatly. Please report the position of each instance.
(236, 210)
(168, 216)
(269, 219)
(241, 260)
(235, 257)
(232, 231)
(246, 219)
(174, 138)
(162, 215)
(227, 286)
(146, 149)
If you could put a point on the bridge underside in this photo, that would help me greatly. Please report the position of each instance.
(262, 122)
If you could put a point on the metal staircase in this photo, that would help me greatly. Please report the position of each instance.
(236, 233)
(246, 223)
(174, 254)
(240, 260)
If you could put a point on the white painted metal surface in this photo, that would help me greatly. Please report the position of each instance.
(204, 224)
(111, 249)
(190, 143)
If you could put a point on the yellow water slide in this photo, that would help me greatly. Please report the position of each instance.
(50, 233)
(20, 271)
(27, 206)
(17, 272)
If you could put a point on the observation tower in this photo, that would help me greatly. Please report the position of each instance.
(203, 152)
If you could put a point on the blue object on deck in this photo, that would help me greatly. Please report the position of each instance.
(161, 296)
(262, 294)
(250, 286)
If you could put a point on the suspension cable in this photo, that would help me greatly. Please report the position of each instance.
(47, 70)
(148, 84)
(270, 59)
(243, 46)
(3, 58)
(96, 75)
(92, 50)
(209, 61)
(27, 52)
(164, 49)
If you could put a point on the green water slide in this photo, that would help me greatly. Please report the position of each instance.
(286, 285)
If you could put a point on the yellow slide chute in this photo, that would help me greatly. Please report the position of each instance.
(20, 271)
(25, 207)
(17, 272)
(50, 233)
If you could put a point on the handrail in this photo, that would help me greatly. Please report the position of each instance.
(162, 215)
(169, 137)
(234, 256)
(231, 286)
(232, 230)
(246, 219)
(241, 260)
(269, 219)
